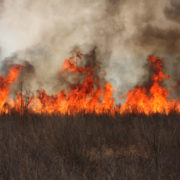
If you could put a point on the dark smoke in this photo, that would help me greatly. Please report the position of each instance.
(156, 39)
(173, 12)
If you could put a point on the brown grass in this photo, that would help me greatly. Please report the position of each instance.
(90, 147)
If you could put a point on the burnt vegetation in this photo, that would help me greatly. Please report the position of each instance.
(89, 147)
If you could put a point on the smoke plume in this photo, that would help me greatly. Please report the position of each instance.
(121, 33)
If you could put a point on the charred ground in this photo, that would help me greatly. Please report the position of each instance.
(90, 146)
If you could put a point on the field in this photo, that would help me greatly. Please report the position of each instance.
(123, 147)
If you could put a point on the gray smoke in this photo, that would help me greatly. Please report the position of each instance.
(122, 32)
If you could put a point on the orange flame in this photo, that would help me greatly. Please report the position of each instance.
(89, 95)
(154, 100)
(5, 83)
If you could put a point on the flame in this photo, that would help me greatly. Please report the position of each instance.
(153, 100)
(90, 95)
(5, 84)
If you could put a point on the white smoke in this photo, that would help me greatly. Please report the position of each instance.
(124, 33)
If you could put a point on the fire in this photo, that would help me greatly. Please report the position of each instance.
(90, 95)
(87, 96)
(5, 83)
(153, 100)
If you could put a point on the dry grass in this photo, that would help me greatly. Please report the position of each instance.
(90, 147)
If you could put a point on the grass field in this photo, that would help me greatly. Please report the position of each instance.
(124, 147)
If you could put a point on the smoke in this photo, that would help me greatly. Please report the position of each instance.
(122, 32)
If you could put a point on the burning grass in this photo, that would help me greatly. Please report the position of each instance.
(90, 94)
(81, 133)
(89, 146)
